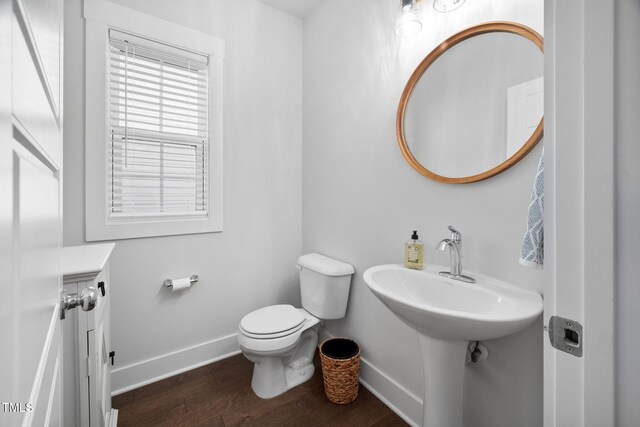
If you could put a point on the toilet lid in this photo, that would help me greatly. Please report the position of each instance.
(275, 319)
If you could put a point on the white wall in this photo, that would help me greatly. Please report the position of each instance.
(627, 109)
(249, 264)
(361, 199)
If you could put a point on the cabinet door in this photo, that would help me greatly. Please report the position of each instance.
(99, 383)
(99, 344)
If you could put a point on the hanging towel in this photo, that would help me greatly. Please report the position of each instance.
(533, 242)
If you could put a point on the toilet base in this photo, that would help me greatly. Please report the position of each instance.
(275, 374)
(297, 377)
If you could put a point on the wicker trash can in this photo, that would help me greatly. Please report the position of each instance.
(340, 358)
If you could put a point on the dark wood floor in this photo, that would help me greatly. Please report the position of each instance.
(220, 395)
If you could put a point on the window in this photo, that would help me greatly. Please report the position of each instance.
(158, 129)
(153, 123)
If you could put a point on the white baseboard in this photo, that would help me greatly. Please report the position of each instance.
(405, 404)
(158, 368)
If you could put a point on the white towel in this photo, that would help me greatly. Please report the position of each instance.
(533, 242)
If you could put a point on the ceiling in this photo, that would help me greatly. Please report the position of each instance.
(298, 8)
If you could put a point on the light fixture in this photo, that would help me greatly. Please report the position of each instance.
(408, 22)
(447, 5)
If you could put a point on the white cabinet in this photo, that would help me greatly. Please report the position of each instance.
(87, 339)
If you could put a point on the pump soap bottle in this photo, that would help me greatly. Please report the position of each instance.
(413, 252)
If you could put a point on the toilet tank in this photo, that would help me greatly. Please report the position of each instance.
(324, 285)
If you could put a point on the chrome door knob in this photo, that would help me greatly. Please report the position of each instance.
(86, 301)
(88, 298)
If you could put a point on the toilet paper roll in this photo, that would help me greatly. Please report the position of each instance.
(180, 284)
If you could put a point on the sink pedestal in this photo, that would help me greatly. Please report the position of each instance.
(443, 368)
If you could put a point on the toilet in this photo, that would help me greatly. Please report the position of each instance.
(281, 339)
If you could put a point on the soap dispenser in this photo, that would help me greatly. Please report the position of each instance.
(413, 252)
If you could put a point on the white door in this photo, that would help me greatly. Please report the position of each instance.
(579, 213)
(525, 106)
(30, 212)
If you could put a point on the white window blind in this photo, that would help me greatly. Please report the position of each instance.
(157, 144)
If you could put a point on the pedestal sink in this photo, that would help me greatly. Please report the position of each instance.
(447, 314)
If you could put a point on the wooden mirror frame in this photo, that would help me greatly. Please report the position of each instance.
(489, 27)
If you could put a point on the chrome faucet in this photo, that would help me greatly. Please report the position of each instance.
(454, 243)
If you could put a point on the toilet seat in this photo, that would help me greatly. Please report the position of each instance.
(274, 321)
(274, 335)
(258, 330)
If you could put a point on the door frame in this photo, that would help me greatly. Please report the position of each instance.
(580, 212)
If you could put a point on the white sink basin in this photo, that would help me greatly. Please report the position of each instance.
(453, 310)
(447, 313)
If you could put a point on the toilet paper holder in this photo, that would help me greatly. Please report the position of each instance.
(192, 280)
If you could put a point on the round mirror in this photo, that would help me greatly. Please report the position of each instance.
(474, 106)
